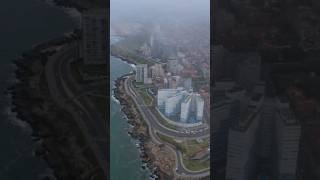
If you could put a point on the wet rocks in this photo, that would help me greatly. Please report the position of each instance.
(139, 131)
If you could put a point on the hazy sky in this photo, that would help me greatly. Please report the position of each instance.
(164, 10)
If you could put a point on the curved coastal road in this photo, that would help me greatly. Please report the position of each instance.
(156, 124)
(64, 90)
(154, 127)
(64, 87)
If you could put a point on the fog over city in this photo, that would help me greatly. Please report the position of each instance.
(180, 21)
(161, 10)
(168, 41)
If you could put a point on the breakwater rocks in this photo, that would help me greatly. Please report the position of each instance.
(140, 132)
(54, 128)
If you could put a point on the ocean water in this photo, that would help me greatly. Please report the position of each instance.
(23, 24)
(124, 154)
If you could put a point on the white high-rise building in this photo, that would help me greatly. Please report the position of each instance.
(164, 94)
(242, 139)
(288, 132)
(224, 114)
(94, 33)
(193, 104)
(240, 153)
(268, 112)
(200, 107)
(173, 104)
(185, 109)
(141, 72)
(178, 100)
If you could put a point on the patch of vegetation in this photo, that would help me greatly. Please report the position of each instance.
(189, 148)
(142, 90)
(138, 84)
(170, 140)
(145, 96)
(192, 146)
(163, 121)
(196, 165)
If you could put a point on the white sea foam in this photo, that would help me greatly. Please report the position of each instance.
(133, 66)
(115, 99)
(12, 118)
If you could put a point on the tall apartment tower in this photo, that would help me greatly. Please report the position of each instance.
(242, 140)
(222, 108)
(288, 132)
(173, 104)
(94, 36)
(163, 95)
(185, 109)
(192, 104)
(141, 72)
(200, 107)
(266, 132)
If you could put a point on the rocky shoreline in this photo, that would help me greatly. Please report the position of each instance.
(140, 131)
(134, 119)
(52, 127)
(123, 58)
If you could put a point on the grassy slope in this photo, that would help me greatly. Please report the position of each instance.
(189, 148)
